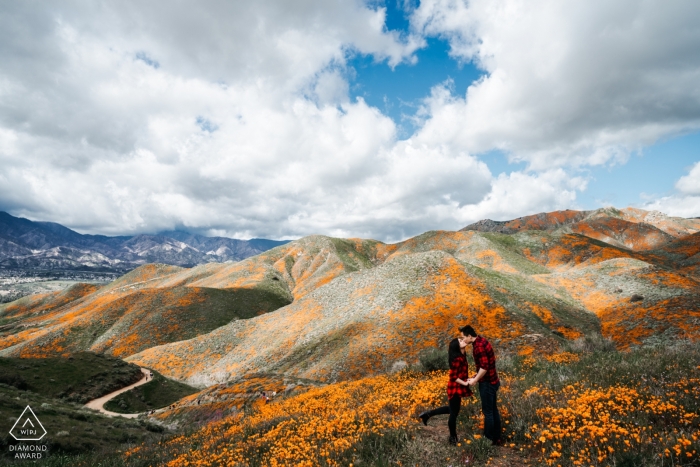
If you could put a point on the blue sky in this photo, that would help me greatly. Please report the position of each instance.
(649, 173)
(277, 119)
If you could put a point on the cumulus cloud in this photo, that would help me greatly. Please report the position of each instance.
(690, 184)
(684, 203)
(519, 194)
(234, 117)
(680, 206)
(568, 83)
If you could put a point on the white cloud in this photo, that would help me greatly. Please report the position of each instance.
(690, 184)
(235, 116)
(519, 194)
(685, 203)
(679, 206)
(126, 146)
(568, 83)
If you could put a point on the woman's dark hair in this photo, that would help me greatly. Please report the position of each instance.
(453, 351)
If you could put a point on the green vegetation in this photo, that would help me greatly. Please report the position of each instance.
(432, 359)
(511, 290)
(426, 449)
(157, 393)
(71, 429)
(508, 247)
(351, 258)
(79, 378)
(223, 305)
(152, 317)
(652, 391)
(322, 346)
(267, 296)
(288, 265)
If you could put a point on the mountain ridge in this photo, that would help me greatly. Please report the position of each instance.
(47, 245)
(597, 224)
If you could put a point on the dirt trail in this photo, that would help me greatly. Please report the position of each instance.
(98, 404)
(502, 456)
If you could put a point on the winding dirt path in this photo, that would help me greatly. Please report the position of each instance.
(98, 404)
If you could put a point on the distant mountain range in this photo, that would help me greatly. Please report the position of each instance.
(46, 245)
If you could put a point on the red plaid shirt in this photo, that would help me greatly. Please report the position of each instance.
(484, 358)
(459, 369)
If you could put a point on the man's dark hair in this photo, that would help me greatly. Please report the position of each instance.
(468, 331)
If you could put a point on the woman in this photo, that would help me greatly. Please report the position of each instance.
(456, 388)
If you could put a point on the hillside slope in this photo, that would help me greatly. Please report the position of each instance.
(157, 304)
(630, 228)
(328, 309)
(131, 314)
(366, 322)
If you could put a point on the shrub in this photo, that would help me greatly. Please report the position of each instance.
(14, 380)
(591, 343)
(432, 359)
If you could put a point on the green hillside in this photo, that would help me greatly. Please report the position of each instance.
(79, 378)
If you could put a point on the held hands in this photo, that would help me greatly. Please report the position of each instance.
(468, 382)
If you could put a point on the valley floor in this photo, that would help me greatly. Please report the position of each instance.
(18, 283)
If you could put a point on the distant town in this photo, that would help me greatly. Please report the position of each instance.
(18, 283)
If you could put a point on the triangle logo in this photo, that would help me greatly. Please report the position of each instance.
(28, 427)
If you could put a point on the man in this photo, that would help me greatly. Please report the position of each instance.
(487, 377)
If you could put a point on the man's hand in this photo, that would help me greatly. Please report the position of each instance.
(480, 374)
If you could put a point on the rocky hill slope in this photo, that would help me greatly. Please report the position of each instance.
(334, 309)
(630, 228)
(25, 244)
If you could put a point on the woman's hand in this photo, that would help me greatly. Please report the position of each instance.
(463, 383)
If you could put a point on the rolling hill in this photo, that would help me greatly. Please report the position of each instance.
(329, 309)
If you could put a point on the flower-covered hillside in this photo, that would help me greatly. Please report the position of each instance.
(607, 224)
(156, 304)
(133, 313)
(582, 407)
(301, 266)
(636, 236)
(683, 254)
(39, 303)
(635, 301)
(328, 308)
(368, 321)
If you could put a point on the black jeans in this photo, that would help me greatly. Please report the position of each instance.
(489, 406)
(452, 410)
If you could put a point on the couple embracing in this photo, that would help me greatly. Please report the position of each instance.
(459, 384)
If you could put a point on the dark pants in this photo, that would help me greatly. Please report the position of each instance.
(489, 407)
(452, 410)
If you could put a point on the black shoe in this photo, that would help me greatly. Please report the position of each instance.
(424, 417)
(453, 440)
(498, 442)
